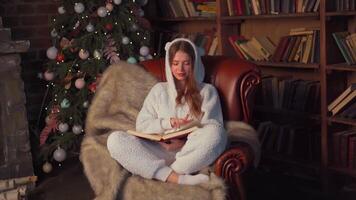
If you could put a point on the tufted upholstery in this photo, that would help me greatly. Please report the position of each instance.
(236, 81)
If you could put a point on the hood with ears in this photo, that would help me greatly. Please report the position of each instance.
(199, 71)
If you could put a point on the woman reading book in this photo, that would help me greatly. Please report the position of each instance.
(172, 104)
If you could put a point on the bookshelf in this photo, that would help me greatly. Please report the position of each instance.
(331, 71)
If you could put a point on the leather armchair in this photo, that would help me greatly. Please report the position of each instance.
(236, 81)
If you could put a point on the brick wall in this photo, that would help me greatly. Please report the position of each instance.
(28, 20)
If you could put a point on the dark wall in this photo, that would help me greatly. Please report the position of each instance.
(29, 20)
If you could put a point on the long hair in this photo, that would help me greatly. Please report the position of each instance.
(191, 91)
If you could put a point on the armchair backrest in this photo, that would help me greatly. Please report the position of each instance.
(234, 78)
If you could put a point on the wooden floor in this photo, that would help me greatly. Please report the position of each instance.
(68, 183)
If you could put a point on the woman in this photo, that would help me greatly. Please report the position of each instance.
(168, 105)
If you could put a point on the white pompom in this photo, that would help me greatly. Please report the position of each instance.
(52, 53)
(59, 154)
(102, 11)
(79, 8)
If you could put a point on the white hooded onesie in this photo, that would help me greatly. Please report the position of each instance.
(148, 159)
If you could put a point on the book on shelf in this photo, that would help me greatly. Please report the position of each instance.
(346, 51)
(352, 153)
(342, 96)
(349, 100)
(349, 112)
(181, 132)
(343, 148)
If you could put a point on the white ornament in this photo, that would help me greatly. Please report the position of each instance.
(47, 167)
(79, 83)
(77, 129)
(83, 54)
(117, 2)
(125, 40)
(97, 54)
(54, 33)
(144, 51)
(89, 27)
(61, 10)
(79, 7)
(63, 127)
(109, 7)
(59, 154)
(102, 11)
(48, 75)
(52, 53)
(86, 104)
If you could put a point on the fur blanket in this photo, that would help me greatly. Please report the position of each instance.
(115, 106)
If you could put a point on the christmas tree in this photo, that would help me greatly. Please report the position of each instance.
(88, 36)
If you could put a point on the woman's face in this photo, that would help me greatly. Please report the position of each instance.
(181, 65)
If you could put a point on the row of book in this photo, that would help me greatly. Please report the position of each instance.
(345, 104)
(301, 45)
(344, 149)
(345, 5)
(347, 45)
(187, 8)
(292, 94)
(266, 7)
(290, 140)
(207, 41)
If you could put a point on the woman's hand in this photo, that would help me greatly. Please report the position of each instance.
(177, 122)
(173, 144)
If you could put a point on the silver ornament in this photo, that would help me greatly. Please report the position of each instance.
(77, 129)
(79, 8)
(97, 54)
(52, 53)
(109, 7)
(125, 40)
(117, 2)
(141, 13)
(144, 51)
(59, 154)
(63, 127)
(149, 57)
(61, 10)
(134, 27)
(102, 11)
(86, 104)
(89, 27)
(54, 33)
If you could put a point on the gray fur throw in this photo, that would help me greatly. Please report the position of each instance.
(115, 106)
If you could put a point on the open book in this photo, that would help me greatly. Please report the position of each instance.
(180, 132)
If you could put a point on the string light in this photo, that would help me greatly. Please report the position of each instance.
(57, 63)
(129, 19)
(46, 108)
(130, 42)
(54, 20)
(144, 38)
(62, 26)
(70, 70)
(47, 85)
(115, 23)
(138, 33)
(71, 118)
(76, 65)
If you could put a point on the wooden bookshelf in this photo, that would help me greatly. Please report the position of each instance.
(275, 26)
(289, 161)
(342, 67)
(341, 120)
(344, 171)
(272, 16)
(286, 65)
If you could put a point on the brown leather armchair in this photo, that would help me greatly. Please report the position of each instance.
(236, 82)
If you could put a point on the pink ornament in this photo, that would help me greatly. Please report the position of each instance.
(79, 83)
(109, 6)
(83, 54)
(48, 76)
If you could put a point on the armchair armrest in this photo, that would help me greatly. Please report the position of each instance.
(231, 165)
